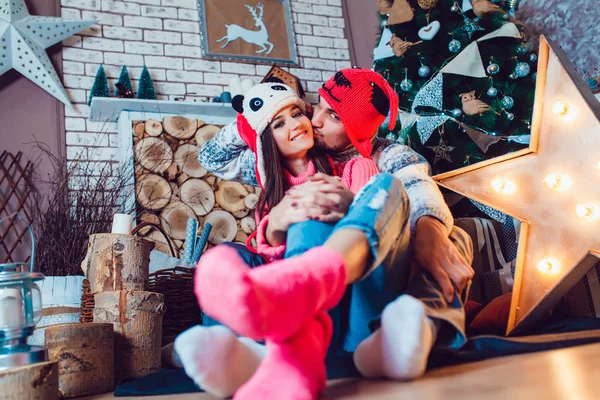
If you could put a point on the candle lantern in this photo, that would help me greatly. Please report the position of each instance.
(20, 310)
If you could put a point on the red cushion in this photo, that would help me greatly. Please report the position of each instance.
(494, 317)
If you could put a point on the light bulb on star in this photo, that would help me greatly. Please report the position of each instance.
(549, 266)
(587, 211)
(557, 181)
(560, 107)
(504, 186)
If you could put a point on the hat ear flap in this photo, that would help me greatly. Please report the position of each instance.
(238, 103)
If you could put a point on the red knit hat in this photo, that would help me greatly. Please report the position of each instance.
(362, 99)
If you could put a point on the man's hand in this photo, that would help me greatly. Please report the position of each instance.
(326, 192)
(436, 253)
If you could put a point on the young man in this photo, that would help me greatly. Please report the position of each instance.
(409, 327)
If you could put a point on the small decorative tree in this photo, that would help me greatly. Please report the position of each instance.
(123, 86)
(100, 87)
(146, 86)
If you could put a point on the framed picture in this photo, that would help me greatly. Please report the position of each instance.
(248, 30)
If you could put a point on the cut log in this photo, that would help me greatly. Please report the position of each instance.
(241, 237)
(200, 123)
(153, 127)
(85, 356)
(249, 188)
(224, 227)
(251, 201)
(160, 243)
(231, 195)
(137, 320)
(172, 171)
(173, 219)
(182, 178)
(248, 225)
(37, 381)
(186, 157)
(205, 133)
(117, 262)
(138, 130)
(147, 217)
(153, 192)
(153, 154)
(174, 190)
(198, 195)
(211, 180)
(179, 127)
(240, 214)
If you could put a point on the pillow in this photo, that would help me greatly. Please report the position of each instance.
(494, 317)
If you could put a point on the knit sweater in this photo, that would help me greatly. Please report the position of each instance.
(355, 174)
(228, 157)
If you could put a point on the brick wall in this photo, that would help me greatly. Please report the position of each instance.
(164, 36)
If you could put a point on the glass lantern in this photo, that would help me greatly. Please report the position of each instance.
(20, 311)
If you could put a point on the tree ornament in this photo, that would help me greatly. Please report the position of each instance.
(533, 57)
(100, 87)
(146, 86)
(400, 47)
(399, 11)
(471, 26)
(513, 75)
(424, 71)
(406, 85)
(392, 137)
(427, 4)
(455, 8)
(534, 76)
(507, 102)
(492, 92)
(481, 7)
(522, 69)
(493, 68)
(454, 46)
(442, 151)
(471, 105)
(428, 32)
(456, 113)
(510, 116)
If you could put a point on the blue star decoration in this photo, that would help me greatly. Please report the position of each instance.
(23, 42)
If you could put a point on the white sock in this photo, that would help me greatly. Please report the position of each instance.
(399, 349)
(217, 360)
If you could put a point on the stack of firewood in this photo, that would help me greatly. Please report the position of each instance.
(172, 186)
(117, 267)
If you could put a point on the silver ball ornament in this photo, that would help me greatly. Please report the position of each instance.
(533, 57)
(513, 76)
(406, 85)
(522, 70)
(456, 113)
(507, 102)
(493, 69)
(534, 76)
(454, 8)
(392, 137)
(492, 92)
(510, 116)
(424, 71)
(454, 46)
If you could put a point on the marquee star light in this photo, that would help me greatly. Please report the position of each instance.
(553, 187)
(23, 40)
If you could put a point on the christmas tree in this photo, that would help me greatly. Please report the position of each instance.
(123, 86)
(146, 86)
(465, 77)
(100, 86)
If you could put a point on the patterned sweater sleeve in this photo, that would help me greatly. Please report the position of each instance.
(415, 173)
(228, 157)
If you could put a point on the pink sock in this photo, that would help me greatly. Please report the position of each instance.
(293, 369)
(273, 301)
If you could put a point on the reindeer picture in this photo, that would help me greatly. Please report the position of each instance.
(258, 37)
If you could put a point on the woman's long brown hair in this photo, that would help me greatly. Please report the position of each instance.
(275, 184)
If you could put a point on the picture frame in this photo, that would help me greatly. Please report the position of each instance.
(256, 31)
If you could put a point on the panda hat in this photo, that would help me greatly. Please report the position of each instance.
(256, 109)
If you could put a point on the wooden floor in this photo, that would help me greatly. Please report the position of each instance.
(572, 373)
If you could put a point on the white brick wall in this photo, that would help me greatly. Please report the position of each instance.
(164, 36)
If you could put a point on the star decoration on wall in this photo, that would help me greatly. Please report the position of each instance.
(553, 187)
(23, 40)
(442, 151)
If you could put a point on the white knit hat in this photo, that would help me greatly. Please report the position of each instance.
(258, 107)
